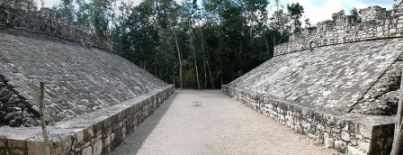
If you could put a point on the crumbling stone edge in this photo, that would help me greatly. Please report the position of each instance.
(347, 133)
(89, 134)
(376, 25)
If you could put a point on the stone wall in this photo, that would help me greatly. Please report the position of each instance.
(78, 80)
(347, 133)
(90, 134)
(375, 25)
(21, 14)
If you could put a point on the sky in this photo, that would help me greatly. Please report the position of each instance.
(315, 10)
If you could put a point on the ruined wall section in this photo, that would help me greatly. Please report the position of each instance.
(15, 109)
(375, 25)
(22, 15)
(382, 98)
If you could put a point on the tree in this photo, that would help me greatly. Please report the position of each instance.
(65, 10)
(82, 14)
(188, 44)
(308, 22)
(355, 14)
(338, 15)
(295, 11)
(190, 8)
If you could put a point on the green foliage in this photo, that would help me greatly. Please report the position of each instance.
(338, 15)
(296, 11)
(355, 14)
(65, 10)
(218, 41)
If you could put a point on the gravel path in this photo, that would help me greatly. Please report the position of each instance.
(220, 125)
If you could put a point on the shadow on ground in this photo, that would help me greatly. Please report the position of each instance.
(141, 133)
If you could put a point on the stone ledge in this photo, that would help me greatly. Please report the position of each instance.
(89, 134)
(347, 133)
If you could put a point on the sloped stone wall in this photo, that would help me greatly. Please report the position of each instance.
(20, 14)
(333, 77)
(382, 98)
(93, 133)
(335, 83)
(78, 79)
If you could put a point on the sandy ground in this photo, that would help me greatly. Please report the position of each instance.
(220, 125)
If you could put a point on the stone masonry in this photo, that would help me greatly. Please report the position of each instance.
(93, 133)
(22, 15)
(78, 79)
(93, 98)
(351, 134)
(15, 109)
(375, 25)
(336, 83)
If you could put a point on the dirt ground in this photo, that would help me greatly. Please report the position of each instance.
(209, 122)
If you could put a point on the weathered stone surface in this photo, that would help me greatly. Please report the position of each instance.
(2, 142)
(381, 98)
(342, 70)
(334, 129)
(78, 79)
(333, 78)
(14, 109)
(23, 15)
(375, 25)
(35, 148)
(16, 143)
(74, 136)
(87, 151)
(97, 148)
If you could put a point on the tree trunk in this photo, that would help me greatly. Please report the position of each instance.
(42, 118)
(195, 60)
(205, 73)
(397, 147)
(180, 62)
(207, 60)
(267, 47)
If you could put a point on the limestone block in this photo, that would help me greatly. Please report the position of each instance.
(35, 148)
(66, 145)
(392, 31)
(16, 143)
(329, 142)
(363, 144)
(379, 29)
(345, 136)
(354, 151)
(2, 143)
(88, 133)
(79, 136)
(87, 151)
(17, 152)
(340, 145)
(98, 148)
(365, 131)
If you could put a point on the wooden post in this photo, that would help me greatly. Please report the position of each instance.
(397, 147)
(42, 117)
